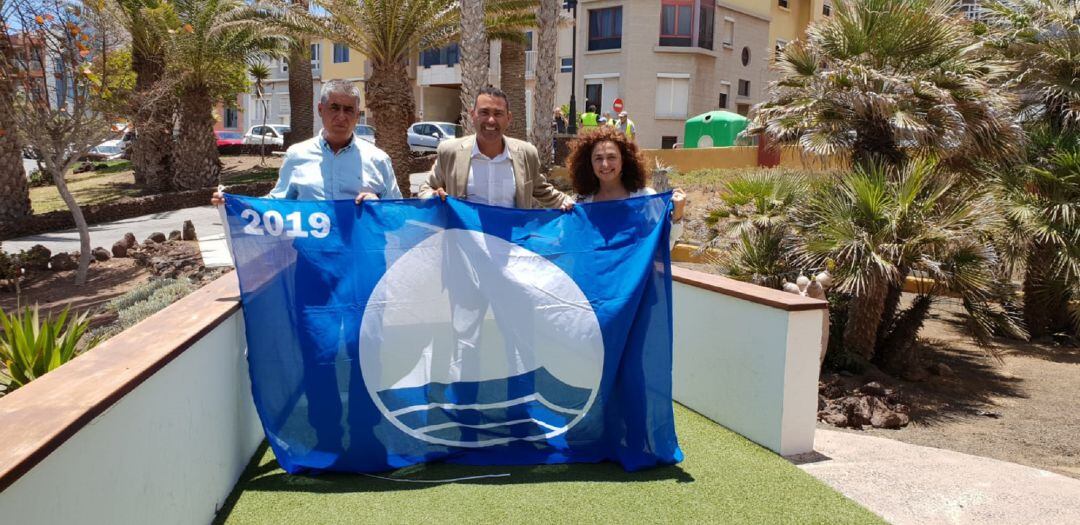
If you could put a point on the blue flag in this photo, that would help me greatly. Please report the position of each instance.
(397, 332)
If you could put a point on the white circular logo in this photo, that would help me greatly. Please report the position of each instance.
(470, 341)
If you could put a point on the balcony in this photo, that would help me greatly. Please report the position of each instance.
(157, 425)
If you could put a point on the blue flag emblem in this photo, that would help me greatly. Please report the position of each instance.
(399, 332)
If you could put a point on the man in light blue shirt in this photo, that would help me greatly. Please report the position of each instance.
(335, 165)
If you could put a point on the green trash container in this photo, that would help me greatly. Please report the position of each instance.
(713, 129)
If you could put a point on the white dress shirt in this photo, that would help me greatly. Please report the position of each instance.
(313, 171)
(491, 180)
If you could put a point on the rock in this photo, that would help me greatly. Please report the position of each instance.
(62, 262)
(174, 235)
(942, 369)
(901, 409)
(129, 240)
(120, 249)
(100, 254)
(858, 411)
(189, 231)
(156, 237)
(834, 419)
(36, 258)
(873, 388)
(821, 403)
(888, 419)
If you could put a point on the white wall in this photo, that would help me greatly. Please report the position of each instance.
(170, 451)
(750, 367)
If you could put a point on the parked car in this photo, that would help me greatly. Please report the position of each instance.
(272, 134)
(365, 132)
(426, 136)
(108, 150)
(230, 142)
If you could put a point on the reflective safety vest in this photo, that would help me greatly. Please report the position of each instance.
(589, 120)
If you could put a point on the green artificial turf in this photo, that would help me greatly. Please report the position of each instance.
(724, 479)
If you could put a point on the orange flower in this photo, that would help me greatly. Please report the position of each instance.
(39, 19)
(84, 52)
(188, 28)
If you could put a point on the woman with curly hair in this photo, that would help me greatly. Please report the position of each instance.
(604, 165)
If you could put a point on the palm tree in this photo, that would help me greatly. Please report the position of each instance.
(1044, 37)
(880, 223)
(389, 32)
(216, 37)
(512, 82)
(1042, 203)
(890, 79)
(14, 191)
(474, 56)
(259, 73)
(301, 90)
(547, 36)
(149, 22)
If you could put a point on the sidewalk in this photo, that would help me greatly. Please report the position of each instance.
(910, 484)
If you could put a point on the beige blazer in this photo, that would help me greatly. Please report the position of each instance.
(454, 158)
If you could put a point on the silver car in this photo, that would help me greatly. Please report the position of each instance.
(365, 132)
(425, 136)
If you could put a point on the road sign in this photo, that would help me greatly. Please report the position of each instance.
(617, 106)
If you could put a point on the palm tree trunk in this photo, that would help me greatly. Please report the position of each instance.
(864, 316)
(544, 93)
(14, 191)
(512, 80)
(474, 57)
(898, 352)
(153, 107)
(1045, 299)
(197, 164)
(301, 114)
(390, 98)
(892, 304)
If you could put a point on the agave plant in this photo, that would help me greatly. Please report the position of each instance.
(30, 348)
(892, 80)
(881, 223)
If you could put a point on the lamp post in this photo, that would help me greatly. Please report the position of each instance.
(571, 127)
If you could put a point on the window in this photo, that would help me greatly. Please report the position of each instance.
(283, 105)
(443, 56)
(780, 45)
(567, 65)
(672, 93)
(284, 66)
(706, 23)
(725, 92)
(744, 88)
(676, 23)
(743, 109)
(316, 58)
(341, 53)
(232, 118)
(729, 32)
(746, 56)
(826, 10)
(971, 9)
(782, 3)
(668, 141)
(528, 41)
(605, 28)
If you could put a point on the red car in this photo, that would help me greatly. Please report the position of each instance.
(230, 142)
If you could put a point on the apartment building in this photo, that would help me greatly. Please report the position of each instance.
(667, 60)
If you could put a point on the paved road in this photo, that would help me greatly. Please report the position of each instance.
(206, 219)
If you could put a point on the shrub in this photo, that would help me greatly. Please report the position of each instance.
(30, 348)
